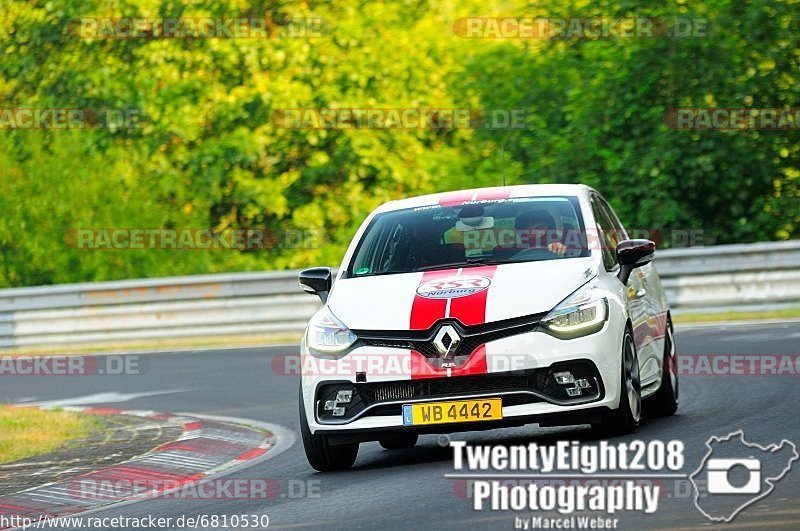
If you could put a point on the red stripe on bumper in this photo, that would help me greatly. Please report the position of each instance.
(421, 369)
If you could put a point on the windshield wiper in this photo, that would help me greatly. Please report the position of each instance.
(469, 262)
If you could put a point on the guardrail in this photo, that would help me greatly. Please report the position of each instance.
(268, 304)
(271, 303)
(722, 277)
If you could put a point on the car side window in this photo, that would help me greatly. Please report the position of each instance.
(622, 234)
(606, 233)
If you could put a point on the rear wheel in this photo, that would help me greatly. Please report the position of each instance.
(399, 441)
(322, 455)
(665, 401)
(625, 419)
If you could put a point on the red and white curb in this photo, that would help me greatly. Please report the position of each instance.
(209, 446)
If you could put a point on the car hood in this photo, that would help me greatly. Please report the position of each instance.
(472, 295)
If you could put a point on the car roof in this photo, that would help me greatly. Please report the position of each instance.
(457, 196)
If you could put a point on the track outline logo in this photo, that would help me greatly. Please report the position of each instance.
(770, 481)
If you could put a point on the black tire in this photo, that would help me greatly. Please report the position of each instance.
(399, 441)
(664, 402)
(322, 455)
(626, 418)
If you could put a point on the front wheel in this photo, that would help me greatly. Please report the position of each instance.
(322, 455)
(664, 402)
(625, 419)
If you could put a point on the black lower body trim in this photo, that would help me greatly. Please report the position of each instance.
(568, 418)
(516, 388)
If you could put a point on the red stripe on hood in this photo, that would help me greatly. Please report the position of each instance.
(471, 310)
(425, 311)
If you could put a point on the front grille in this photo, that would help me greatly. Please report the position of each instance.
(472, 337)
(521, 387)
(389, 392)
(443, 387)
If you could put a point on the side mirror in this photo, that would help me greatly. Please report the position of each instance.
(317, 281)
(632, 254)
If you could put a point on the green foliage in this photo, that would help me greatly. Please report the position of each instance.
(209, 152)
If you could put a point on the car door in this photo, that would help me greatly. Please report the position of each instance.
(645, 303)
(611, 233)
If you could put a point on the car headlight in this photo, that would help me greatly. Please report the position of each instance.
(582, 313)
(327, 334)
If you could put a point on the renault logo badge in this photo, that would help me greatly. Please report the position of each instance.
(446, 341)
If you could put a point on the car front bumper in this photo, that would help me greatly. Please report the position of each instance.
(512, 357)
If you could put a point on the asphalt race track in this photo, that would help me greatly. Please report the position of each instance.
(408, 489)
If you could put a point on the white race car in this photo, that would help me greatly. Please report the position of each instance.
(481, 309)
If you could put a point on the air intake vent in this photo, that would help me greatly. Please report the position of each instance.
(385, 393)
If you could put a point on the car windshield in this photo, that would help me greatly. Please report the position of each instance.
(524, 229)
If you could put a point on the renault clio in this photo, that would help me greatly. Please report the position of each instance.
(482, 309)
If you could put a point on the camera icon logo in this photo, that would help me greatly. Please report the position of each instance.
(735, 473)
(719, 480)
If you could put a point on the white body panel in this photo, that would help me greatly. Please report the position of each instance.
(385, 303)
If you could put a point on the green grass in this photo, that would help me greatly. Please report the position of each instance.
(26, 432)
(787, 313)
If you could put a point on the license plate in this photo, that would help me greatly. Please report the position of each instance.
(456, 411)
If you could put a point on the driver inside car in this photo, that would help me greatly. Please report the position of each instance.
(536, 229)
